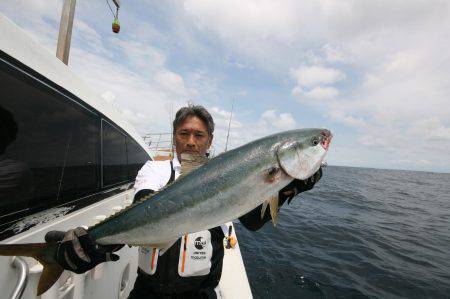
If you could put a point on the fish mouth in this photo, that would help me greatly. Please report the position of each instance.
(327, 139)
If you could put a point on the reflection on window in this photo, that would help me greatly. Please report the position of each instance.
(137, 157)
(49, 147)
(114, 155)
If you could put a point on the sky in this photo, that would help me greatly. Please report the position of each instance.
(375, 73)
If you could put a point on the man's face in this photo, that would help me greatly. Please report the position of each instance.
(191, 137)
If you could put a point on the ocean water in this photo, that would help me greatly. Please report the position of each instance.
(360, 233)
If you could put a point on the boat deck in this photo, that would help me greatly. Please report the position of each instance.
(234, 282)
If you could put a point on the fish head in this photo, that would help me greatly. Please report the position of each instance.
(300, 152)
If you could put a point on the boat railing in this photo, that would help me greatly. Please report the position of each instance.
(159, 144)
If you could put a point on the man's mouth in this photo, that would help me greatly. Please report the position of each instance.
(190, 152)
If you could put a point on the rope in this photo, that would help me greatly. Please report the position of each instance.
(107, 2)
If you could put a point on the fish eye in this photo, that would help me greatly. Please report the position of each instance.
(272, 170)
(315, 141)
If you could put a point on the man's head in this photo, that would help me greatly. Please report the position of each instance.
(193, 129)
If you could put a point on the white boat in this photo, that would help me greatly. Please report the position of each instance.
(72, 163)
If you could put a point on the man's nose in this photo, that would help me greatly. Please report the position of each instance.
(191, 141)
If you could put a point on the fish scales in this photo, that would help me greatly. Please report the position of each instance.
(225, 188)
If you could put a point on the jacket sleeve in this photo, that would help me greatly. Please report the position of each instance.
(154, 175)
(253, 221)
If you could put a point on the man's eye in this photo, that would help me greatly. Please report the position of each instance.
(199, 135)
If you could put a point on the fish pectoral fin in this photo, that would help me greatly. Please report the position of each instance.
(263, 208)
(273, 203)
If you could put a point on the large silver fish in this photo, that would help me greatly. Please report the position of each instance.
(223, 189)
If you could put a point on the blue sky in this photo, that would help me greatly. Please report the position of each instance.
(376, 73)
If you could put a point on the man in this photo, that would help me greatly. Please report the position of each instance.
(176, 272)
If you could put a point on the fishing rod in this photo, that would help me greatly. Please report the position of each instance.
(229, 125)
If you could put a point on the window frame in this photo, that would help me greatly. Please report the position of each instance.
(32, 78)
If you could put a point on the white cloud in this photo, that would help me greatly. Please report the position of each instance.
(321, 93)
(88, 37)
(282, 121)
(312, 80)
(382, 68)
(204, 84)
(243, 131)
(222, 119)
(316, 75)
(141, 99)
(109, 97)
(431, 129)
(141, 55)
(257, 19)
(335, 54)
(349, 120)
(285, 121)
(171, 83)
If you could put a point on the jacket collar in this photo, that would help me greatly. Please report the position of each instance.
(176, 162)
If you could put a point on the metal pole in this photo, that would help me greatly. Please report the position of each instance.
(65, 30)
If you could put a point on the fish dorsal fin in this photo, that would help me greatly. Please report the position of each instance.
(273, 205)
(191, 162)
(274, 209)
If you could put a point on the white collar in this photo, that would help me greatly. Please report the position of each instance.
(176, 162)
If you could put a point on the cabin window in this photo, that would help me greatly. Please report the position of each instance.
(114, 155)
(49, 146)
(137, 157)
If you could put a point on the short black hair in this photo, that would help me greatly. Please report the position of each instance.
(198, 111)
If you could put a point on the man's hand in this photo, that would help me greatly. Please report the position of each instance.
(77, 252)
(299, 186)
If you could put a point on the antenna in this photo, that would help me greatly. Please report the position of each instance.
(171, 133)
(229, 125)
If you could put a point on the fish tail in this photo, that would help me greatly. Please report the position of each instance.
(45, 253)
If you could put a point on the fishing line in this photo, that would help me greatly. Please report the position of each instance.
(107, 2)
